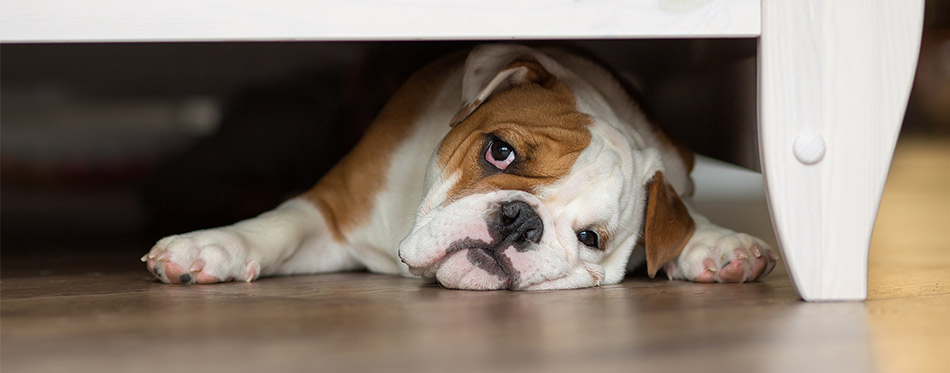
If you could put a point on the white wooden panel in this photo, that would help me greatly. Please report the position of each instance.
(837, 73)
(215, 20)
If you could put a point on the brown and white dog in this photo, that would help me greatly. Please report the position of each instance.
(511, 168)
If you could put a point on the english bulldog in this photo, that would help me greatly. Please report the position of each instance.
(506, 167)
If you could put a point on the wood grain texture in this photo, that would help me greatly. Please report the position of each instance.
(219, 20)
(840, 71)
(908, 307)
(81, 314)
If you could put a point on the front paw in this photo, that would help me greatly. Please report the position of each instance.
(203, 257)
(722, 256)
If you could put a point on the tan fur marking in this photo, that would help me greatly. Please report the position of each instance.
(346, 194)
(541, 123)
(532, 72)
(668, 225)
(464, 112)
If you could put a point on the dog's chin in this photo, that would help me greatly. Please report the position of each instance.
(473, 269)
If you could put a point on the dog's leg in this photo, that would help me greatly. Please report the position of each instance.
(255, 247)
(717, 254)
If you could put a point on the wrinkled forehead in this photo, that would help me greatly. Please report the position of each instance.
(601, 174)
(541, 123)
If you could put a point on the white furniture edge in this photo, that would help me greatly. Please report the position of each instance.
(24, 21)
(834, 80)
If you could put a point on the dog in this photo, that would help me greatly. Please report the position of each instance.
(504, 167)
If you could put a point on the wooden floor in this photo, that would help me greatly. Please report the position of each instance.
(78, 314)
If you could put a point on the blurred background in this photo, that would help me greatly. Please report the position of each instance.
(108, 147)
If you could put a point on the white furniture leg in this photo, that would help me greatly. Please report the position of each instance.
(834, 80)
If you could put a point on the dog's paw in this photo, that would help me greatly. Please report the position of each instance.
(203, 257)
(721, 255)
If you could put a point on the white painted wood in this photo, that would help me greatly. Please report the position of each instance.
(841, 70)
(220, 20)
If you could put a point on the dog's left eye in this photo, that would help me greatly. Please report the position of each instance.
(500, 154)
(589, 238)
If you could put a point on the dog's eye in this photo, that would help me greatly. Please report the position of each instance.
(589, 238)
(500, 154)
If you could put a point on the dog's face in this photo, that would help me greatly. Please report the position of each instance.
(531, 189)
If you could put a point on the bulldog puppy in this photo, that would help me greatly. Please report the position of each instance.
(506, 168)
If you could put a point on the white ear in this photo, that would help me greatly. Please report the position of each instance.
(494, 68)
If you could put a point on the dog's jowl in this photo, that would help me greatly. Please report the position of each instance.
(506, 167)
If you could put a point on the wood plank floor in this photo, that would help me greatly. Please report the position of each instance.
(77, 314)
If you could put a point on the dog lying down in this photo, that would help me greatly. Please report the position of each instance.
(504, 168)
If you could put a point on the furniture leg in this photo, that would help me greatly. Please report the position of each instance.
(834, 80)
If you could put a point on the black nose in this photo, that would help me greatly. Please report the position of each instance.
(516, 223)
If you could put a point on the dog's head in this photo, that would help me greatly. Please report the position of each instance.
(539, 187)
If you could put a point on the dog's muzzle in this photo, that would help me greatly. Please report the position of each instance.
(501, 233)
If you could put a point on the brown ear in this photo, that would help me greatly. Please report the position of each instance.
(476, 88)
(668, 225)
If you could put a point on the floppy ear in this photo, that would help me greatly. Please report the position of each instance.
(668, 225)
(482, 79)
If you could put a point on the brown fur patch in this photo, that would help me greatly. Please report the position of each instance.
(540, 122)
(668, 225)
(346, 194)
